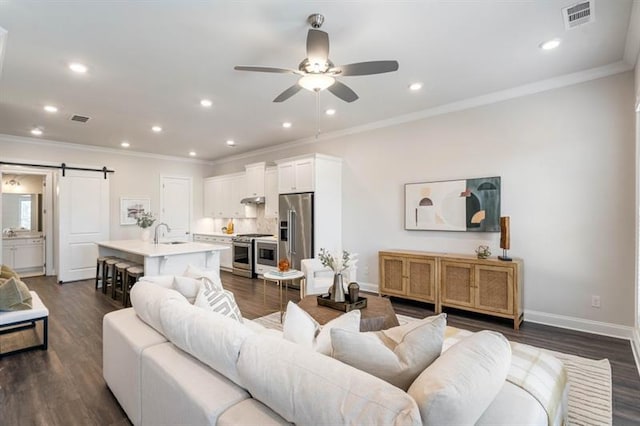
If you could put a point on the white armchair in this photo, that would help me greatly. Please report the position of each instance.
(318, 279)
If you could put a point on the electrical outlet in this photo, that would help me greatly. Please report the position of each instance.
(595, 301)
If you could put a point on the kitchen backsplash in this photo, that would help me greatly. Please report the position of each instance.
(260, 224)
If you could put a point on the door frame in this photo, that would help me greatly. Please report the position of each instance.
(161, 207)
(47, 201)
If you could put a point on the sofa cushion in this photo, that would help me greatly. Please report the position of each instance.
(220, 301)
(513, 399)
(397, 355)
(186, 286)
(305, 387)
(146, 299)
(14, 295)
(210, 337)
(459, 386)
(124, 337)
(250, 412)
(177, 389)
(299, 327)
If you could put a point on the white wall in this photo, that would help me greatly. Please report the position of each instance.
(566, 158)
(134, 176)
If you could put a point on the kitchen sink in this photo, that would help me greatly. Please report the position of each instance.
(174, 242)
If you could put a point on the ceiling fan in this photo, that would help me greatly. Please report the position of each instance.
(318, 72)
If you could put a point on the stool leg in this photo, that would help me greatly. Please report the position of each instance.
(97, 272)
(105, 273)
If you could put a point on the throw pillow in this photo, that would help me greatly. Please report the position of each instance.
(197, 273)
(299, 327)
(188, 287)
(220, 301)
(14, 295)
(397, 355)
(6, 272)
(461, 384)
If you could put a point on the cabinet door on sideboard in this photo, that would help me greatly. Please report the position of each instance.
(421, 277)
(392, 275)
(494, 288)
(457, 283)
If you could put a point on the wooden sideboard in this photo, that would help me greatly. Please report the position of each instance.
(487, 286)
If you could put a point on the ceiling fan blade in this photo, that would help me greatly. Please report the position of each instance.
(317, 46)
(368, 68)
(288, 93)
(265, 69)
(343, 92)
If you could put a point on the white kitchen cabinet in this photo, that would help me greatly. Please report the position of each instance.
(322, 175)
(24, 255)
(255, 179)
(217, 197)
(296, 175)
(271, 193)
(226, 256)
(238, 191)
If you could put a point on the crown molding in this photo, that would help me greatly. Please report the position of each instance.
(632, 43)
(488, 99)
(93, 148)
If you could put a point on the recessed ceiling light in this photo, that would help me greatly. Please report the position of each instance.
(286, 124)
(192, 153)
(330, 111)
(50, 108)
(415, 86)
(231, 143)
(156, 129)
(36, 131)
(125, 144)
(78, 67)
(551, 44)
(206, 103)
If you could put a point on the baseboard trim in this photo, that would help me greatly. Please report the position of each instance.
(370, 287)
(635, 346)
(580, 324)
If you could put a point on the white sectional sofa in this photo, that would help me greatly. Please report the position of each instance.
(168, 362)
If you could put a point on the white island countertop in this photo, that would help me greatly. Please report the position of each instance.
(149, 249)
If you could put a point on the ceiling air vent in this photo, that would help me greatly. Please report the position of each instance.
(578, 14)
(79, 118)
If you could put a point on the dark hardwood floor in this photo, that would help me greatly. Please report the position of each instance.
(64, 385)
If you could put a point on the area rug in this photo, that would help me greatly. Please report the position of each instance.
(589, 381)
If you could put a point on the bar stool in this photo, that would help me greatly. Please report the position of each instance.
(134, 272)
(108, 273)
(120, 277)
(99, 268)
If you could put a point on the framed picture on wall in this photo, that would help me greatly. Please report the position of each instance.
(130, 208)
(453, 205)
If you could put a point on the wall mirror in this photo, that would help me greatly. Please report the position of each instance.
(22, 211)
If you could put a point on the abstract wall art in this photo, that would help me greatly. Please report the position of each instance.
(455, 205)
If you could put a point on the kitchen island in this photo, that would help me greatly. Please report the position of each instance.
(168, 258)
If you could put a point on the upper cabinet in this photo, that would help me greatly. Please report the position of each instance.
(222, 195)
(255, 179)
(296, 175)
(271, 193)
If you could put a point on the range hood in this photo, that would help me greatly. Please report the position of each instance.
(252, 200)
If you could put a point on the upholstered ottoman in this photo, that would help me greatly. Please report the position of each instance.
(15, 321)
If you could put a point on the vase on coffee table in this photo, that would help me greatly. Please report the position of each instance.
(336, 292)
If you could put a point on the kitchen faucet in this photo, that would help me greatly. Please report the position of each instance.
(155, 233)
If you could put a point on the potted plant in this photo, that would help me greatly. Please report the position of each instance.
(144, 220)
(337, 264)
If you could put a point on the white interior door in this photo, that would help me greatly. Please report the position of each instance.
(83, 220)
(175, 206)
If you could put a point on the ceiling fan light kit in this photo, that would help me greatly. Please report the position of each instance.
(318, 72)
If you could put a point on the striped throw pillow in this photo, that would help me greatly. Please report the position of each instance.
(220, 301)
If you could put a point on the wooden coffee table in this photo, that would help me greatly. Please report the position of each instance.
(378, 315)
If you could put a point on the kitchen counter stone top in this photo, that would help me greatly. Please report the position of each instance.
(149, 249)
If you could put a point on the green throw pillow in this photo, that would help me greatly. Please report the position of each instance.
(14, 295)
(7, 272)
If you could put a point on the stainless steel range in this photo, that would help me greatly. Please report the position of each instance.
(243, 250)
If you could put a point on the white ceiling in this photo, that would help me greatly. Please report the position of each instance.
(150, 62)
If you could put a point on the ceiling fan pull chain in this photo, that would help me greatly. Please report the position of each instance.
(317, 113)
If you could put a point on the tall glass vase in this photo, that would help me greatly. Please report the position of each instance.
(337, 289)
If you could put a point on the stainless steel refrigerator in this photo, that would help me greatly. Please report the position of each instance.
(295, 240)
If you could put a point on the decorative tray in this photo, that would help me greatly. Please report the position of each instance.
(323, 300)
